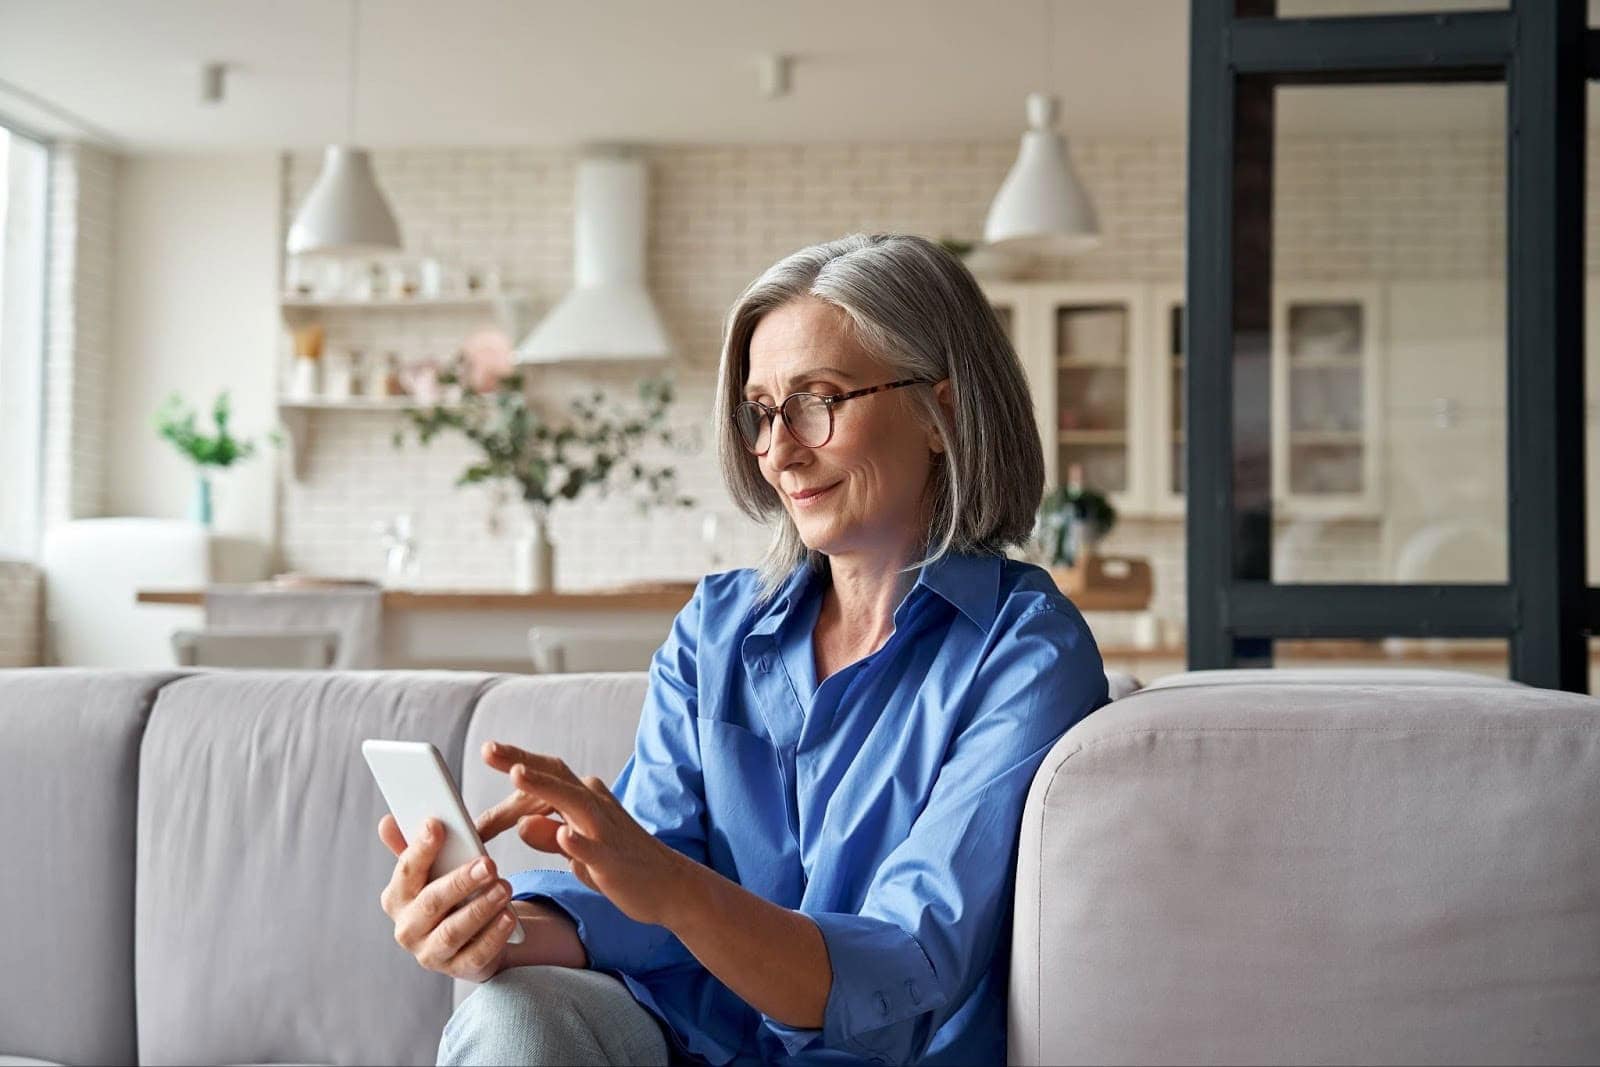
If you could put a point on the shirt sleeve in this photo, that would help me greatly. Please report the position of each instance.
(933, 915)
(661, 786)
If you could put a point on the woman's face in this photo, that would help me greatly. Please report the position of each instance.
(874, 468)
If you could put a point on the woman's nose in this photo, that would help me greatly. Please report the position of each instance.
(783, 449)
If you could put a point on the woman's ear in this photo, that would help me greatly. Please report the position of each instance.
(941, 393)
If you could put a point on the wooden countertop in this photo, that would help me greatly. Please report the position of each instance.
(655, 596)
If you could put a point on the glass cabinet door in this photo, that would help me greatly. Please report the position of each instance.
(1171, 450)
(1092, 348)
(1325, 372)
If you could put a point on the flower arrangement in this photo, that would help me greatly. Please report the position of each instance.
(545, 462)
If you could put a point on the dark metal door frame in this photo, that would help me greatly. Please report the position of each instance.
(1239, 53)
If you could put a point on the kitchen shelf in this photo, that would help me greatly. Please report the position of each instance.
(295, 416)
(358, 403)
(1092, 437)
(390, 303)
(1327, 437)
(507, 307)
(1092, 362)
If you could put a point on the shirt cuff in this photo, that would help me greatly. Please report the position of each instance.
(613, 941)
(881, 976)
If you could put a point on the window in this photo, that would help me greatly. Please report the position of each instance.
(23, 176)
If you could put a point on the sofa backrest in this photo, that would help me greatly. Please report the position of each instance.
(1347, 874)
(588, 720)
(259, 938)
(69, 755)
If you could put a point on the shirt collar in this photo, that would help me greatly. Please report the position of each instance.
(969, 583)
(777, 609)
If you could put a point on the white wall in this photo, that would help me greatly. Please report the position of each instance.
(195, 311)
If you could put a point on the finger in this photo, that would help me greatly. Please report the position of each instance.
(540, 833)
(574, 844)
(389, 833)
(572, 800)
(505, 814)
(503, 757)
(443, 895)
(481, 952)
(463, 924)
(411, 869)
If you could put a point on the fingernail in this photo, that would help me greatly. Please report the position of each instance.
(480, 869)
(504, 920)
(499, 893)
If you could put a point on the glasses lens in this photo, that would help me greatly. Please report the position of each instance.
(807, 418)
(752, 424)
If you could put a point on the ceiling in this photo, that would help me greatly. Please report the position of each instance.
(544, 72)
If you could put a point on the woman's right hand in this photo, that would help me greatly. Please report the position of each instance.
(429, 922)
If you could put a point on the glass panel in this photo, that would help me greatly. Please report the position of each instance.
(1296, 9)
(1091, 352)
(23, 170)
(1371, 373)
(1486, 656)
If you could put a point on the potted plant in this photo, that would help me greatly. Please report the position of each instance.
(546, 462)
(1072, 520)
(220, 450)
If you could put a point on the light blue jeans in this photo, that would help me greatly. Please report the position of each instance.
(551, 1015)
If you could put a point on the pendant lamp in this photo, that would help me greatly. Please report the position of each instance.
(345, 213)
(1042, 205)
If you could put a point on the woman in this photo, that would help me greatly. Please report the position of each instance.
(809, 857)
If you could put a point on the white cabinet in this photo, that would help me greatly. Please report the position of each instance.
(1084, 349)
(1106, 365)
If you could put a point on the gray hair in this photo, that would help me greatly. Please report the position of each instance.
(916, 309)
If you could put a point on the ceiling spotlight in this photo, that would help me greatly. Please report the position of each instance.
(212, 87)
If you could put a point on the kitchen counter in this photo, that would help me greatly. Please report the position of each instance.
(503, 630)
(662, 596)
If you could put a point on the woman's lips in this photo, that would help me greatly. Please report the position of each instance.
(812, 498)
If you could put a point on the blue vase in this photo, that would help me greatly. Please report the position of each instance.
(200, 505)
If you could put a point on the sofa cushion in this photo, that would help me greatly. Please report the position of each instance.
(1305, 873)
(259, 938)
(69, 772)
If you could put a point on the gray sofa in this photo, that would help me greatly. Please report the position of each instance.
(1218, 868)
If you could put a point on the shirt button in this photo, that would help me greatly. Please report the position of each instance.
(764, 664)
(911, 991)
(883, 1006)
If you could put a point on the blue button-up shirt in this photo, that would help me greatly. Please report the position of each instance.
(884, 804)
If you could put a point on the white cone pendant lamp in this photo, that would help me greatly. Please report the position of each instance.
(1042, 206)
(345, 213)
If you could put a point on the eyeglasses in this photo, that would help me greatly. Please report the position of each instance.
(809, 416)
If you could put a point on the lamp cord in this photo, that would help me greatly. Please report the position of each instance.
(355, 72)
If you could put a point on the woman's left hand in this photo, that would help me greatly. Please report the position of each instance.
(608, 849)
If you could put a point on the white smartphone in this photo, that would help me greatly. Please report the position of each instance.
(417, 786)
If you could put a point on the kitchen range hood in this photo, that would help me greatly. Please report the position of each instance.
(608, 315)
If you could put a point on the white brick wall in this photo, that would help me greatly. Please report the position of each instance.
(1351, 207)
(21, 612)
(82, 202)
